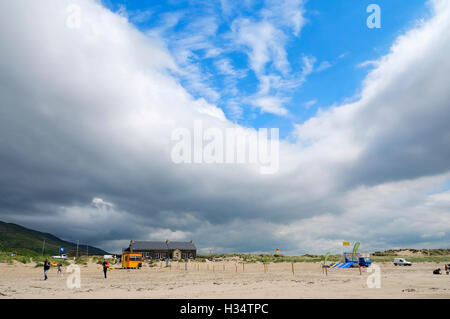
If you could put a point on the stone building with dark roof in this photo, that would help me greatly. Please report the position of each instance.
(163, 249)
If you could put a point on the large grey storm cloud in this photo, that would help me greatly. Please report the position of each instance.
(86, 116)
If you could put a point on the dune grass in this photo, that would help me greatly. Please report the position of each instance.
(437, 257)
(25, 256)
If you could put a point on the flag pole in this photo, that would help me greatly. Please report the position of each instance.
(43, 247)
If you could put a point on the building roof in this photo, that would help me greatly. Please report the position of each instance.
(162, 245)
(151, 245)
(181, 245)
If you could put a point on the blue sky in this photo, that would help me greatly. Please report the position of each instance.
(332, 36)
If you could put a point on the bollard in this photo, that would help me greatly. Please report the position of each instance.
(293, 271)
(235, 265)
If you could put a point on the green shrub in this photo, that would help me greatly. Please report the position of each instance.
(81, 260)
(23, 259)
(6, 258)
(38, 259)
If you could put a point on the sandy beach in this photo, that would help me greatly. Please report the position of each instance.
(226, 280)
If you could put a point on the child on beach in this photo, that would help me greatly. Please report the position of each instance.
(46, 268)
(60, 269)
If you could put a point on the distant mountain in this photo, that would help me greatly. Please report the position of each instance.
(18, 238)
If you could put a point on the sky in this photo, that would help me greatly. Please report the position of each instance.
(92, 91)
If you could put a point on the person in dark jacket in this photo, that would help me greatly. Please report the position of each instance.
(46, 268)
(105, 266)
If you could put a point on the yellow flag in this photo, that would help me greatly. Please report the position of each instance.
(345, 243)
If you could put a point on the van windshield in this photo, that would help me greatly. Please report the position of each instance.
(135, 258)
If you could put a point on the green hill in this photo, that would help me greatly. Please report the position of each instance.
(16, 238)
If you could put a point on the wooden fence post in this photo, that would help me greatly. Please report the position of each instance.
(293, 271)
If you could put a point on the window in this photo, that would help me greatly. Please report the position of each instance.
(135, 258)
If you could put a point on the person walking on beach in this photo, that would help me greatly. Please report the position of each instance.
(105, 267)
(46, 268)
(60, 269)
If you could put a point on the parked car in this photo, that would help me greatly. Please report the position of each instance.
(365, 262)
(401, 262)
(63, 256)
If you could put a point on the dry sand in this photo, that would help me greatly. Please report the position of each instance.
(212, 281)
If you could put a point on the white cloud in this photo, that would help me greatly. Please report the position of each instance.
(270, 104)
(264, 43)
(288, 13)
(310, 103)
(225, 67)
(203, 107)
(308, 66)
(323, 66)
(91, 110)
(101, 204)
(371, 63)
